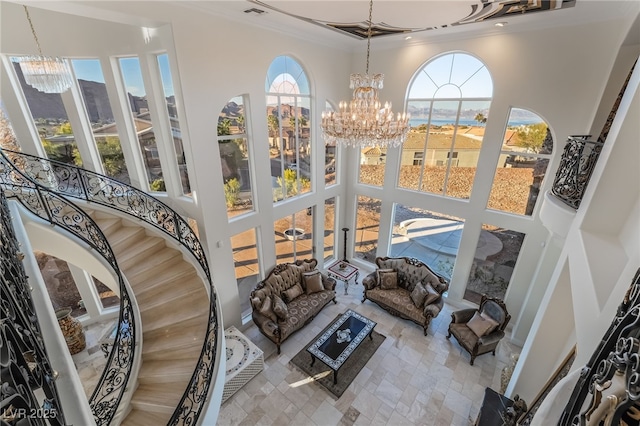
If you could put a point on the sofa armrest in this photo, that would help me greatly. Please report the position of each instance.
(491, 338)
(433, 309)
(266, 325)
(327, 282)
(370, 281)
(463, 315)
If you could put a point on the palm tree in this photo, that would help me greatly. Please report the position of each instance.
(480, 118)
(273, 123)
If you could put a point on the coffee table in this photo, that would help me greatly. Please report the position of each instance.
(342, 338)
(345, 272)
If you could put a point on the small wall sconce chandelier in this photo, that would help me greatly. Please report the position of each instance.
(44, 73)
(364, 121)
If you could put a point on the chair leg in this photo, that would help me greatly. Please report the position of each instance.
(494, 352)
(449, 334)
(278, 345)
(472, 359)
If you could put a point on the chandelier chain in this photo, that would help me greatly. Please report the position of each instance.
(369, 35)
(33, 31)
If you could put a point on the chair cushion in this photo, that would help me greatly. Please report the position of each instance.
(267, 309)
(388, 279)
(481, 326)
(312, 281)
(292, 293)
(432, 295)
(418, 294)
(280, 308)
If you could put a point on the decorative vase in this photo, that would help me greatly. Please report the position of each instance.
(71, 330)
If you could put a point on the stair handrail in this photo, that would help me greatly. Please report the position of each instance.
(94, 187)
(59, 211)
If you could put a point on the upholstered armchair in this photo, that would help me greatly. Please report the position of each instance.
(480, 330)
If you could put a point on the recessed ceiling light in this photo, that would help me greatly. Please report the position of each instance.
(408, 38)
(501, 24)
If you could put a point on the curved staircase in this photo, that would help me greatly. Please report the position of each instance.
(174, 308)
(179, 347)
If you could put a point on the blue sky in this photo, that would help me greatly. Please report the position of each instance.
(90, 70)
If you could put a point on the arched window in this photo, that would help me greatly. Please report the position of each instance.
(524, 157)
(449, 100)
(289, 122)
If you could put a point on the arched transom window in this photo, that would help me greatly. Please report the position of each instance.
(449, 102)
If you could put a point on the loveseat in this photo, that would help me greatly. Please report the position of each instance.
(393, 287)
(289, 298)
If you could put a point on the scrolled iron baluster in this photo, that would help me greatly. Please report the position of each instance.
(575, 169)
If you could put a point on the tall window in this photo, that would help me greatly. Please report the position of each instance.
(289, 122)
(428, 236)
(247, 267)
(234, 158)
(329, 228)
(449, 101)
(367, 228)
(103, 124)
(524, 157)
(294, 237)
(330, 168)
(172, 110)
(137, 95)
(51, 120)
(495, 257)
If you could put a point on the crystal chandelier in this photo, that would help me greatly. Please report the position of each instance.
(364, 121)
(45, 73)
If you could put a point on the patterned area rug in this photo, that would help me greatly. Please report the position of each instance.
(323, 375)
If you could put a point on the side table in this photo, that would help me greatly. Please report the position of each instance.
(244, 361)
(345, 272)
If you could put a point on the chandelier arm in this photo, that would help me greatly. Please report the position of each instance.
(33, 31)
(368, 35)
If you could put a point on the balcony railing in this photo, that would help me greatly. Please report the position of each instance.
(93, 187)
(57, 210)
(578, 160)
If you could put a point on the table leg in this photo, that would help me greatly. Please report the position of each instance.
(313, 359)
(335, 377)
(346, 286)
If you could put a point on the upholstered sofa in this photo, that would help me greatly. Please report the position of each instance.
(399, 295)
(289, 298)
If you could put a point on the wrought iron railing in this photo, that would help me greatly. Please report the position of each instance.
(578, 160)
(28, 380)
(57, 210)
(96, 188)
(608, 390)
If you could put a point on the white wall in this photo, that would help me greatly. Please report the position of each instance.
(599, 258)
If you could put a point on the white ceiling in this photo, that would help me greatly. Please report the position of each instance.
(429, 20)
(426, 20)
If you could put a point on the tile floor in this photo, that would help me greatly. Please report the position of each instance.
(90, 362)
(410, 380)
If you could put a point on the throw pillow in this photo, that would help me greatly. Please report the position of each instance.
(292, 293)
(432, 295)
(280, 308)
(267, 309)
(480, 326)
(491, 320)
(418, 294)
(312, 281)
(388, 279)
